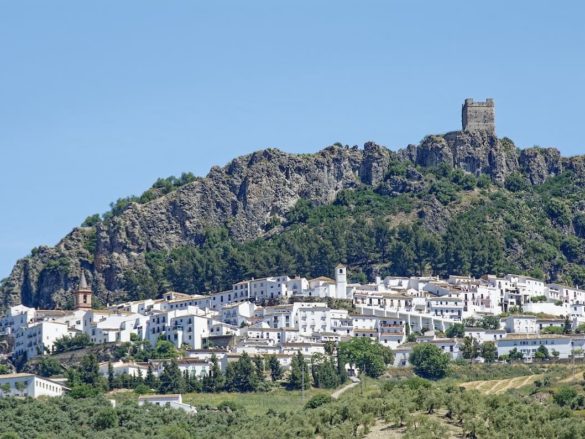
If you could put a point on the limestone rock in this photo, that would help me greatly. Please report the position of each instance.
(478, 152)
(538, 164)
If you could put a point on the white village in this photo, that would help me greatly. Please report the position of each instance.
(282, 316)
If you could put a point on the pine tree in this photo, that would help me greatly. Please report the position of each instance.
(341, 370)
(275, 368)
(230, 378)
(213, 381)
(171, 379)
(89, 370)
(259, 363)
(245, 379)
(150, 380)
(299, 374)
(325, 375)
(110, 375)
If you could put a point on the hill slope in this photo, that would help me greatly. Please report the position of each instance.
(456, 203)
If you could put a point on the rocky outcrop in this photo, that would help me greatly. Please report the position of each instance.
(242, 197)
(375, 163)
(477, 152)
(538, 164)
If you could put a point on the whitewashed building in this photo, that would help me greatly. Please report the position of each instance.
(29, 385)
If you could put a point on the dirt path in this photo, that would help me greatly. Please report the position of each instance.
(576, 377)
(345, 388)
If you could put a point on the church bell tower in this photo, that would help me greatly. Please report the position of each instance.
(82, 297)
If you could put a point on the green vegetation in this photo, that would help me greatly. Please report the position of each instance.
(412, 407)
(537, 230)
(66, 343)
(370, 357)
(429, 361)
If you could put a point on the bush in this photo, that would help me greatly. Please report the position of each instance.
(318, 400)
(233, 406)
(104, 419)
(84, 391)
(516, 182)
(415, 383)
(429, 361)
(564, 396)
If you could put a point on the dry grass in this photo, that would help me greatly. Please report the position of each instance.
(500, 386)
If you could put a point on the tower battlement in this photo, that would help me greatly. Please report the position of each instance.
(479, 116)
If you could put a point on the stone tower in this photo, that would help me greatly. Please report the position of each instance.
(82, 297)
(479, 116)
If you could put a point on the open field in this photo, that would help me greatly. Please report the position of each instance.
(500, 386)
(256, 403)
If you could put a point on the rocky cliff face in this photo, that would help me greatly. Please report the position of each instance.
(476, 152)
(243, 197)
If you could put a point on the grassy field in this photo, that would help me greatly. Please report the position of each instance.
(256, 403)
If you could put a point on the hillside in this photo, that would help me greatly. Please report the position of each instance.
(456, 203)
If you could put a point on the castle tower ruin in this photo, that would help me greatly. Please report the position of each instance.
(479, 116)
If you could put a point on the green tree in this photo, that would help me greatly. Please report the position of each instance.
(516, 182)
(214, 380)
(151, 381)
(165, 349)
(49, 366)
(515, 354)
(489, 351)
(67, 343)
(89, 370)
(490, 322)
(110, 375)
(542, 353)
(171, 379)
(299, 373)
(470, 348)
(105, 419)
(369, 356)
(564, 396)
(429, 361)
(456, 330)
(242, 376)
(275, 368)
(324, 372)
(259, 364)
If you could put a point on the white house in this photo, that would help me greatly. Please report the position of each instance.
(174, 401)
(528, 344)
(27, 384)
(521, 324)
(39, 338)
(122, 368)
(444, 306)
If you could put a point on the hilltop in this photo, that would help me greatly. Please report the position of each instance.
(464, 202)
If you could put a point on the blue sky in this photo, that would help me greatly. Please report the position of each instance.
(98, 99)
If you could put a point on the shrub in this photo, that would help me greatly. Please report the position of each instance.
(318, 400)
(516, 182)
(564, 396)
(105, 418)
(226, 406)
(429, 361)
